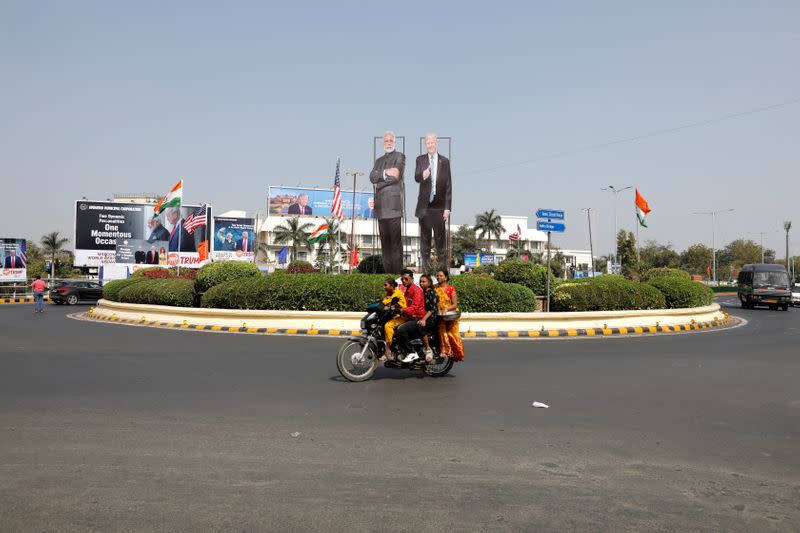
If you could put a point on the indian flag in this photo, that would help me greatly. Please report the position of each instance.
(641, 208)
(172, 199)
(319, 234)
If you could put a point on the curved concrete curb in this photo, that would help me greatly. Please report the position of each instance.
(473, 325)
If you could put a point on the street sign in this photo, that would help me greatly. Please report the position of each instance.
(552, 214)
(556, 227)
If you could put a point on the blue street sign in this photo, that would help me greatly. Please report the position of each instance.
(556, 214)
(556, 227)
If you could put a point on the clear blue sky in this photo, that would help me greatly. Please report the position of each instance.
(106, 97)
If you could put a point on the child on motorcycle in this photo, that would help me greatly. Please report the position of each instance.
(392, 292)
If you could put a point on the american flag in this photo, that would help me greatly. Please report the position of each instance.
(195, 219)
(336, 206)
(516, 235)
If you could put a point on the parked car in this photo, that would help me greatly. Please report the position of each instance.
(796, 295)
(762, 284)
(72, 292)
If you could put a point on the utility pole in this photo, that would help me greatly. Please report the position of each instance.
(352, 238)
(713, 240)
(787, 226)
(616, 191)
(591, 248)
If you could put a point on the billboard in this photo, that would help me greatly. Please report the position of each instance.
(14, 260)
(100, 225)
(142, 252)
(298, 201)
(234, 239)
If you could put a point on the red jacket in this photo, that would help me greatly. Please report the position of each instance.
(415, 301)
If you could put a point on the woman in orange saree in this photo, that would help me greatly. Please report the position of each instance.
(449, 338)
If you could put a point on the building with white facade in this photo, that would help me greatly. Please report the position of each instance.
(531, 241)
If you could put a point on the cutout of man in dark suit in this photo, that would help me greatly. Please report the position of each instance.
(387, 175)
(434, 200)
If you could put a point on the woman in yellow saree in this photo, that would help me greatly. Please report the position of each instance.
(449, 338)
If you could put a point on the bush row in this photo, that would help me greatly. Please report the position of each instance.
(320, 292)
(606, 293)
(176, 292)
(530, 275)
(680, 292)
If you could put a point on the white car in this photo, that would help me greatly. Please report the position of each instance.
(796, 295)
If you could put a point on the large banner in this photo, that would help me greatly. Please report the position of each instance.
(14, 260)
(99, 226)
(294, 201)
(234, 239)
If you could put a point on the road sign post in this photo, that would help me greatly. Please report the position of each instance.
(549, 226)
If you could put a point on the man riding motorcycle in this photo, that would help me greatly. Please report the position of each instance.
(414, 309)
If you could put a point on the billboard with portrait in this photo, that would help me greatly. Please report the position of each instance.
(14, 260)
(100, 225)
(298, 201)
(234, 239)
(142, 252)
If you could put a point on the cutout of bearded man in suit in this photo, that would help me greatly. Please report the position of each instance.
(387, 176)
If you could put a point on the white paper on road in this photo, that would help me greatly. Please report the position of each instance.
(542, 405)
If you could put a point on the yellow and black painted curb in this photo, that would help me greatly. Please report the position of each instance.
(20, 300)
(544, 333)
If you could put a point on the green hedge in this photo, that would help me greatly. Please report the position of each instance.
(221, 271)
(527, 274)
(372, 264)
(322, 292)
(680, 292)
(310, 292)
(480, 294)
(656, 273)
(177, 292)
(111, 289)
(606, 293)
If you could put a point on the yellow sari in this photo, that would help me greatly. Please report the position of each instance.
(449, 338)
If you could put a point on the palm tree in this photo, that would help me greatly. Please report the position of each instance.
(295, 234)
(53, 245)
(488, 224)
(333, 247)
(464, 241)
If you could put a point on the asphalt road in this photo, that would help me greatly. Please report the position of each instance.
(108, 427)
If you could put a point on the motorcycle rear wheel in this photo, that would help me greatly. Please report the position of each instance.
(350, 367)
(438, 370)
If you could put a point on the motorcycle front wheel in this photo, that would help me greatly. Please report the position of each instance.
(352, 366)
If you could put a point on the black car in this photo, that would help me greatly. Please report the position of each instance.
(72, 292)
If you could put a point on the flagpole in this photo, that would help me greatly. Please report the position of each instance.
(180, 230)
(636, 214)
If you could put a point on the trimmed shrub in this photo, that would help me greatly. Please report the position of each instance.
(186, 273)
(654, 273)
(219, 272)
(606, 293)
(300, 267)
(177, 292)
(153, 273)
(527, 274)
(111, 289)
(372, 264)
(481, 294)
(310, 292)
(322, 292)
(485, 270)
(681, 292)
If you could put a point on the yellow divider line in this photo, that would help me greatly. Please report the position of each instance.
(572, 332)
(623, 331)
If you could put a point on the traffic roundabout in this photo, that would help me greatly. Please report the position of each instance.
(473, 325)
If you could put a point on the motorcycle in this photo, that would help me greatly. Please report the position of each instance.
(358, 358)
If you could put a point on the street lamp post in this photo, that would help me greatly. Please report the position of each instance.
(713, 239)
(591, 248)
(616, 191)
(787, 226)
